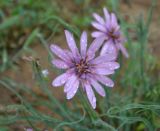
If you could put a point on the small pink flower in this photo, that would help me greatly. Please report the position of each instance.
(82, 68)
(110, 29)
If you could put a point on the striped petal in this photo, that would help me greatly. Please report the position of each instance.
(83, 43)
(106, 14)
(97, 34)
(108, 65)
(109, 48)
(99, 26)
(60, 80)
(90, 95)
(123, 49)
(114, 19)
(59, 52)
(69, 83)
(105, 80)
(73, 90)
(103, 59)
(70, 57)
(99, 89)
(60, 64)
(71, 43)
(103, 71)
(99, 18)
(95, 45)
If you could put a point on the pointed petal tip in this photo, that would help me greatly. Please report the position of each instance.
(60, 80)
(117, 66)
(93, 14)
(106, 14)
(68, 97)
(84, 32)
(111, 85)
(94, 107)
(93, 103)
(124, 50)
(103, 95)
(127, 56)
(104, 8)
(66, 31)
(52, 46)
(54, 84)
(92, 23)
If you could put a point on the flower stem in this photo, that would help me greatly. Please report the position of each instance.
(93, 115)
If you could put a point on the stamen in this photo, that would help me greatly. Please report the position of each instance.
(112, 35)
(82, 67)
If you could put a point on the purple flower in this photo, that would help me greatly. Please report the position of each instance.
(82, 68)
(110, 29)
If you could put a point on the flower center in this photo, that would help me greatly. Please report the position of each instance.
(82, 67)
(112, 34)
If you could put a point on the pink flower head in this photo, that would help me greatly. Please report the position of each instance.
(82, 68)
(110, 29)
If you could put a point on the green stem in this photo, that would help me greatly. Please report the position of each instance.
(93, 115)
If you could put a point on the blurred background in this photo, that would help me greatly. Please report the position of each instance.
(28, 27)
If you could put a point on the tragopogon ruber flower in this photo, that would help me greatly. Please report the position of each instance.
(82, 68)
(110, 29)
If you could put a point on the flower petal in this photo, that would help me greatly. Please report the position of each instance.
(114, 20)
(70, 57)
(73, 90)
(103, 71)
(69, 83)
(60, 64)
(105, 80)
(109, 48)
(61, 79)
(108, 65)
(90, 95)
(106, 14)
(99, 18)
(71, 43)
(103, 59)
(97, 34)
(123, 49)
(95, 45)
(99, 26)
(83, 43)
(59, 52)
(98, 88)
